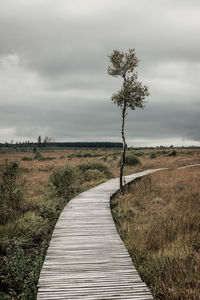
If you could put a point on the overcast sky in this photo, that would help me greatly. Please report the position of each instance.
(53, 70)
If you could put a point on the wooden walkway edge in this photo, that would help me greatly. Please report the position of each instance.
(86, 258)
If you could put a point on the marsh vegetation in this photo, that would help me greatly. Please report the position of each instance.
(33, 192)
(158, 219)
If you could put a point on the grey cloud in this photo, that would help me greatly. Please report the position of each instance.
(90, 120)
(65, 44)
(54, 44)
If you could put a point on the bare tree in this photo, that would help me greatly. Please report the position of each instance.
(132, 93)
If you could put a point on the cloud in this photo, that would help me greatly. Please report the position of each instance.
(53, 68)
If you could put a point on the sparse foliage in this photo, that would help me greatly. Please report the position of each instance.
(66, 181)
(95, 166)
(131, 160)
(37, 154)
(132, 93)
(11, 191)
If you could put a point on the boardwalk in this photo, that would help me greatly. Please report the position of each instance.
(86, 258)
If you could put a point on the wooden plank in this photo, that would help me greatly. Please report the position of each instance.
(86, 258)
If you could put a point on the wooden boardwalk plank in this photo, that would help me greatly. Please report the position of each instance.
(86, 258)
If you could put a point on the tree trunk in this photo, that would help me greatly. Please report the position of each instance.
(124, 148)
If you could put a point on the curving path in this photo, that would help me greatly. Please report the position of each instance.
(86, 258)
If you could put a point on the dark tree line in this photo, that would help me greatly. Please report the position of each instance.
(65, 145)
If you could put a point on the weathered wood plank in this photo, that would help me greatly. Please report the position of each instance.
(86, 258)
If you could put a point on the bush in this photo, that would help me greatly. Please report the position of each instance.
(66, 181)
(48, 210)
(32, 227)
(138, 153)
(95, 166)
(83, 155)
(51, 205)
(130, 160)
(172, 153)
(19, 274)
(11, 191)
(37, 154)
(93, 175)
(26, 158)
(104, 158)
(152, 155)
(46, 158)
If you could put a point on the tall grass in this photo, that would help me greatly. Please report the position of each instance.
(130, 160)
(104, 170)
(26, 226)
(159, 221)
(11, 191)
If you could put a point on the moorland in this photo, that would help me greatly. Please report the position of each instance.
(36, 185)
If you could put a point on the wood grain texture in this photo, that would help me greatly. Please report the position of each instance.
(86, 258)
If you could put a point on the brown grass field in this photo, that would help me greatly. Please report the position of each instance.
(158, 219)
(37, 172)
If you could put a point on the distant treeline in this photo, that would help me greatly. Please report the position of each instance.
(90, 145)
(64, 144)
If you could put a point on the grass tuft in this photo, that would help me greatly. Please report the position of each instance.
(159, 221)
(131, 160)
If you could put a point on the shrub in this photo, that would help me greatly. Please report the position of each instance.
(139, 153)
(46, 158)
(152, 155)
(95, 166)
(11, 191)
(66, 181)
(93, 175)
(172, 153)
(51, 205)
(19, 274)
(48, 210)
(130, 160)
(83, 154)
(32, 227)
(26, 158)
(37, 154)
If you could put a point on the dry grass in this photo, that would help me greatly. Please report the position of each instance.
(41, 208)
(159, 221)
(37, 172)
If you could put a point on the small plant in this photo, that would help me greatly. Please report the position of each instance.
(37, 155)
(172, 153)
(11, 191)
(95, 166)
(93, 175)
(131, 160)
(152, 155)
(104, 158)
(26, 158)
(83, 155)
(66, 181)
(19, 273)
(46, 158)
(138, 153)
